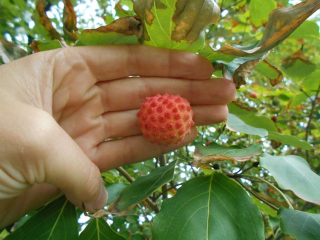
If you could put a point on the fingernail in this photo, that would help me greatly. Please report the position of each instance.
(102, 200)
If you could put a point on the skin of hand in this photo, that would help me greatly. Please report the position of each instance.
(58, 107)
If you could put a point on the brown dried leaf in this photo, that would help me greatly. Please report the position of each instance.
(127, 26)
(299, 55)
(69, 20)
(45, 21)
(278, 79)
(199, 160)
(243, 72)
(34, 46)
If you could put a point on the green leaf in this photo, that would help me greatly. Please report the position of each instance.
(259, 11)
(160, 31)
(143, 186)
(298, 99)
(237, 125)
(304, 226)
(98, 228)
(99, 38)
(289, 140)
(232, 151)
(308, 29)
(56, 221)
(54, 44)
(312, 81)
(114, 190)
(252, 119)
(293, 173)
(209, 207)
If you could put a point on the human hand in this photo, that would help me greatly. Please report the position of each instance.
(58, 108)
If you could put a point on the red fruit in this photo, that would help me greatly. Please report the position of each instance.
(253, 95)
(165, 119)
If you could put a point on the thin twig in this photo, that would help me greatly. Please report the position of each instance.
(173, 187)
(163, 161)
(144, 214)
(125, 174)
(257, 196)
(222, 130)
(313, 105)
(271, 185)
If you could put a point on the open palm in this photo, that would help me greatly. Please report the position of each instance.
(93, 95)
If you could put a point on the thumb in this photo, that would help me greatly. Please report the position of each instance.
(68, 168)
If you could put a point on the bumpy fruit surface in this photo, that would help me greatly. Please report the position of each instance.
(165, 119)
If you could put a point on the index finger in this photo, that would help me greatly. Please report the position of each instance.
(115, 62)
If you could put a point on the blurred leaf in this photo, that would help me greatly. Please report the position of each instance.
(293, 173)
(98, 228)
(289, 140)
(263, 207)
(302, 225)
(10, 51)
(308, 29)
(299, 98)
(45, 21)
(312, 81)
(297, 66)
(215, 152)
(121, 31)
(209, 207)
(38, 46)
(235, 124)
(114, 190)
(142, 187)
(56, 221)
(260, 10)
(252, 119)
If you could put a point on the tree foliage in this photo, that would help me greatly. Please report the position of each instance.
(254, 176)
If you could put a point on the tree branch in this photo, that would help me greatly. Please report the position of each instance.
(313, 105)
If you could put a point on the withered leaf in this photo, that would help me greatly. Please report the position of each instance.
(215, 152)
(297, 56)
(127, 26)
(199, 160)
(45, 21)
(69, 20)
(191, 17)
(244, 70)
